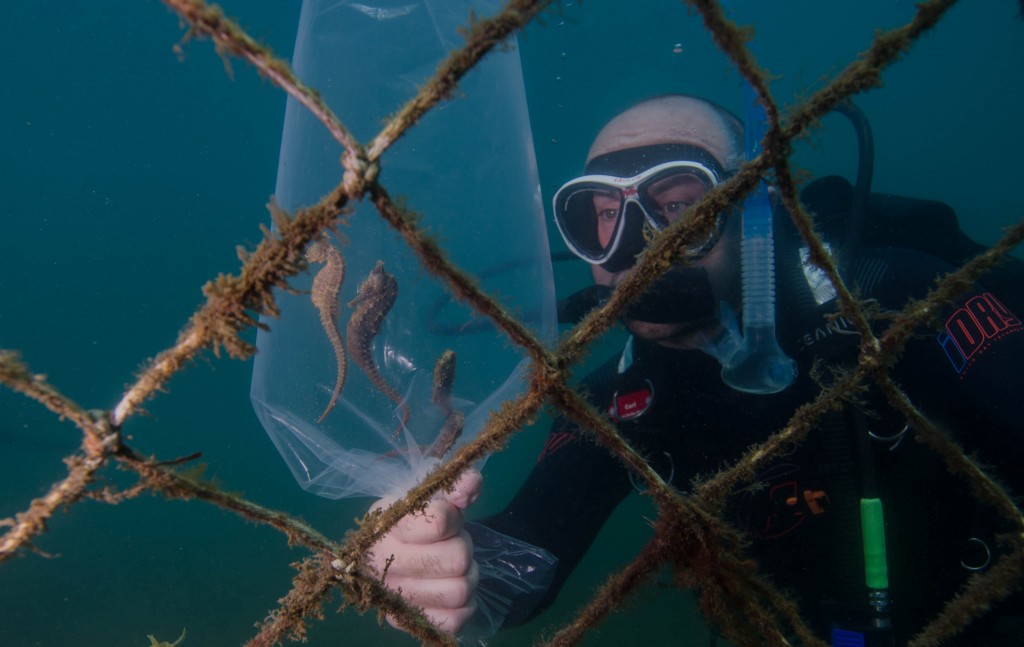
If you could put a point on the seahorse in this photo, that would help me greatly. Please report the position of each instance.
(325, 292)
(444, 379)
(376, 296)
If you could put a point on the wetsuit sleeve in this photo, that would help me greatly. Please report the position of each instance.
(571, 491)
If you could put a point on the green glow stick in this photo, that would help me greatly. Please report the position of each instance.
(872, 525)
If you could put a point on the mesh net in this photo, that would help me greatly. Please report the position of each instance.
(701, 550)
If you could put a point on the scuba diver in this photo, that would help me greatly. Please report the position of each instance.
(667, 392)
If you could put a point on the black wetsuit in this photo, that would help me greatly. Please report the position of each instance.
(803, 522)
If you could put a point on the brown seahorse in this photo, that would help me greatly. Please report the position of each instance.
(326, 288)
(376, 296)
(444, 379)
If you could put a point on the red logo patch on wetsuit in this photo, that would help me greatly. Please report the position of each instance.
(973, 328)
(632, 405)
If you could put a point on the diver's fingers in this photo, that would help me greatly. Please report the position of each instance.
(450, 620)
(440, 520)
(438, 593)
(450, 557)
(466, 490)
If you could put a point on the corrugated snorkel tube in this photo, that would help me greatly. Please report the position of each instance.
(753, 362)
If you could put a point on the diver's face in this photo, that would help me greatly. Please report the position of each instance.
(672, 121)
(722, 263)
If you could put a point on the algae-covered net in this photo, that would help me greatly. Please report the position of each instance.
(686, 529)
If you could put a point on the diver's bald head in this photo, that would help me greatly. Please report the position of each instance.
(674, 119)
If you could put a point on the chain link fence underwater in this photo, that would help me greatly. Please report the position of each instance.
(687, 537)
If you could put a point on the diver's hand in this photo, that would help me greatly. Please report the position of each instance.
(433, 556)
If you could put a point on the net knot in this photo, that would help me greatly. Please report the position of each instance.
(359, 172)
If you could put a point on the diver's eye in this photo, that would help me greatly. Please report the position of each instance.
(608, 215)
(670, 196)
(671, 211)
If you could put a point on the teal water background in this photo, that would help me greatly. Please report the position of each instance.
(129, 176)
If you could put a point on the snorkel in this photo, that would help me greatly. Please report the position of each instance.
(752, 361)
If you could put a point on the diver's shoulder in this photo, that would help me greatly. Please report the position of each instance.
(880, 271)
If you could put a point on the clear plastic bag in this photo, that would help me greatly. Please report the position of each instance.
(512, 574)
(468, 169)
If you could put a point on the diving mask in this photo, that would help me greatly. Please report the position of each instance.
(602, 217)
